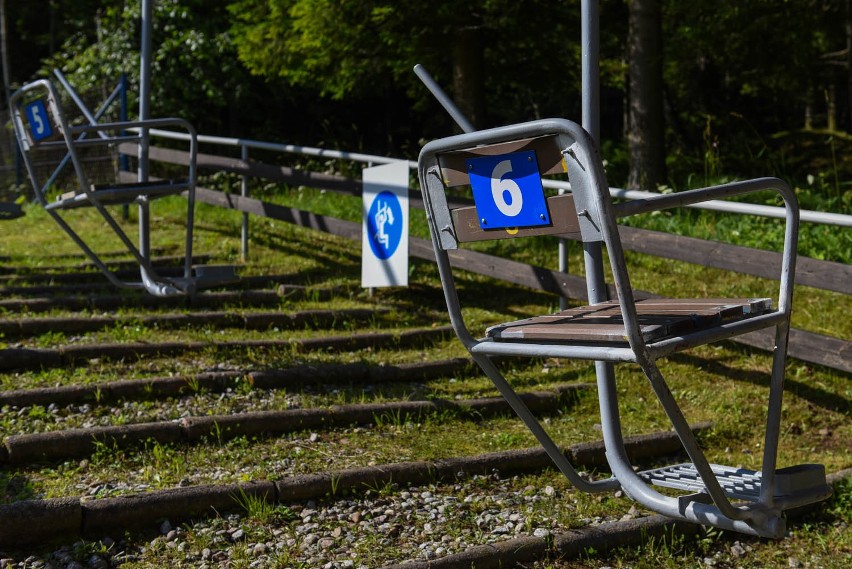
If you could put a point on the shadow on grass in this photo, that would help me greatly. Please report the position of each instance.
(815, 395)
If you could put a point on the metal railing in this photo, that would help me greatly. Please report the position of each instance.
(809, 216)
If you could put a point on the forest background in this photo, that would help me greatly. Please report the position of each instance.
(692, 92)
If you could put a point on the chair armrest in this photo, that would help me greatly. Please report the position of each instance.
(141, 124)
(690, 197)
(137, 127)
(791, 229)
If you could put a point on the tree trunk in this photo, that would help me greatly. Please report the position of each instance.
(468, 75)
(646, 130)
(849, 64)
(4, 57)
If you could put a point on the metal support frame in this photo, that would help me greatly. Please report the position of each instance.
(713, 506)
(79, 136)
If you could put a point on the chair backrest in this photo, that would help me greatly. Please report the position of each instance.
(504, 167)
(49, 144)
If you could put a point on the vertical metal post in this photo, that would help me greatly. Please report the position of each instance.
(562, 249)
(590, 50)
(371, 290)
(244, 236)
(123, 162)
(590, 39)
(144, 114)
(122, 114)
(592, 252)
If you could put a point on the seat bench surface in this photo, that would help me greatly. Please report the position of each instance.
(658, 318)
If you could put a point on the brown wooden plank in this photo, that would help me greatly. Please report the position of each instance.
(824, 275)
(819, 349)
(547, 152)
(272, 172)
(563, 217)
(295, 216)
(604, 331)
(807, 346)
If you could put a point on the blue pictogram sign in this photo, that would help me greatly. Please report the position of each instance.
(507, 191)
(384, 224)
(39, 123)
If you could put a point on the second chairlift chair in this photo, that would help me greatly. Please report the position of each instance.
(50, 142)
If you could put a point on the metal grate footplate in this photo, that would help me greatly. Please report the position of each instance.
(737, 483)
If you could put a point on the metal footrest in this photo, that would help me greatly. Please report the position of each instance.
(119, 194)
(740, 483)
(210, 276)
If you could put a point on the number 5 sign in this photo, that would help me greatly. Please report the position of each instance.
(507, 191)
(39, 122)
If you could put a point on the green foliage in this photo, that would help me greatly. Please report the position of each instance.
(331, 73)
(196, 72)
(740, 87)
(352, 49)
(290, 38)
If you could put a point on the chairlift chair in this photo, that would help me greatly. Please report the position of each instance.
(503, 167)
(45, 134)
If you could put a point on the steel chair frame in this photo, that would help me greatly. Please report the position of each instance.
(595, 218)
(72, 139)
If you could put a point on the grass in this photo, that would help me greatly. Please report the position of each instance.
(816, 414)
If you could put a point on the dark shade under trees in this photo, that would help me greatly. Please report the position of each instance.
(691, 90)
(646, 126)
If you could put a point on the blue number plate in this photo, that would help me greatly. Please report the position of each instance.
(507, 191)
(39, 122)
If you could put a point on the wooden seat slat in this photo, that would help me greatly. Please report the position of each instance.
(603, 323)
(548, 155)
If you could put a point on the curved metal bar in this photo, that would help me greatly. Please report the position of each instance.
(551, 448)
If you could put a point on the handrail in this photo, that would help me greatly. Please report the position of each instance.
(809, 216)
(292, 148)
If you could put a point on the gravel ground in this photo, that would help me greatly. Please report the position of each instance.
(383, 526)
(36, 418)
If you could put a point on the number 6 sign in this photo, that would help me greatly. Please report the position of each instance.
(39, 122)
(507, 191)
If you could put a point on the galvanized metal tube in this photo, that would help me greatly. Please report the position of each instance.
(809, 216)
(609, 354)
(590, 41)
(144, 113)
(443, 98)
(244, 235)
(145, 84)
